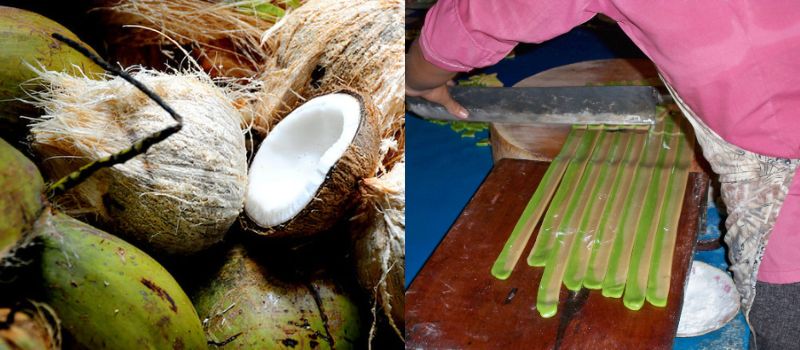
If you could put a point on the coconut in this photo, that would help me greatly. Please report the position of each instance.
(33, 326)
(110, 294)
(184, 193)
(224, 35)
(248, 304)
(25, 40)
(379, 243)
(326, 44)
(21, 202)
(304, 176)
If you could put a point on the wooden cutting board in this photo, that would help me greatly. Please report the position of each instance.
(455, 302)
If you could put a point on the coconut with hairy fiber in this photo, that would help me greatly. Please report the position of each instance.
(325, 44)
(223, 35)
(32, 326)
(184, 193)
(252, 303)
(304, 176)
(379, 243)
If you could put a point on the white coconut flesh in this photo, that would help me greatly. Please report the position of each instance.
(295, 157)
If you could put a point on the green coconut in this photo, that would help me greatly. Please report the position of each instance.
(246, 305)
(33, 326)
(21, 202)
(25, 42)
(184, 193)
(108, 293)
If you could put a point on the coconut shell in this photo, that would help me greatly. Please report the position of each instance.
(326, 44)
(25, 40)
(34, 326)
(21, 201)
(379, 243)
(109, 294)
(337, 194)
(184, 193)
(247, 305)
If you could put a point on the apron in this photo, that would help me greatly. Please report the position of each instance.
(753, 188)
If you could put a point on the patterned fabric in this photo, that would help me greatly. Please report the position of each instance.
(753, 188)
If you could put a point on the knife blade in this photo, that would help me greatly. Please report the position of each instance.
(623, 105)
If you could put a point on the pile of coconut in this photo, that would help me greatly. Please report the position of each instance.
(311, 138)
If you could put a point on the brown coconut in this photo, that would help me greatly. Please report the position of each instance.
(328, 43)
(33, 326)
(223, 35)
(379, 243)
(184, 193)
(335, 190)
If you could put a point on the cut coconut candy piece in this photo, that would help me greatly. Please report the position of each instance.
(579, 258)
(548, 232)
(305, 174)
(515, 245)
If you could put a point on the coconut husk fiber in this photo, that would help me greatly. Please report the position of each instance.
(184, 193)
(379, 244)
(325, 45)
(223, 35)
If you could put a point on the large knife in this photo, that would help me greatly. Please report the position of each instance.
(623, 105)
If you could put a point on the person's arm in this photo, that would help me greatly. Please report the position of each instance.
(430, 82)
(460, 35)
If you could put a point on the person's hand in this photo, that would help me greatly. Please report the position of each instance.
(423, 79)
(440, 95)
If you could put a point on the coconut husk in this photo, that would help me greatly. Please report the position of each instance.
(326, 44)
(379, 244)
(179, 197)
(223, 35)
(32, 326)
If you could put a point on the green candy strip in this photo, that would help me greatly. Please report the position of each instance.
(661, 265)
(546, 237)
(515, 245)
(614, 282)
(568, 232)
(602, 169)
(609, 223)
(639, 268)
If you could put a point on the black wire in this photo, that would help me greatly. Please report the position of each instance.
(139, 147)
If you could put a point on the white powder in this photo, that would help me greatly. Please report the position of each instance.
(709, 302)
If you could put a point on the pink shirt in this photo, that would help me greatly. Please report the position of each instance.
(736, 63)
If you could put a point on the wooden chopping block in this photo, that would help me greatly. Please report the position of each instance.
(455, 303)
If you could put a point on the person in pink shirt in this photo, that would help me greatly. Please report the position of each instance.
(732, 66)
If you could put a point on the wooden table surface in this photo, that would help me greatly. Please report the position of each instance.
(455, 302)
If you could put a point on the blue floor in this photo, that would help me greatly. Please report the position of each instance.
(446, 165)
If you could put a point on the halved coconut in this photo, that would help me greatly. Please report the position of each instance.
(304, 175)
